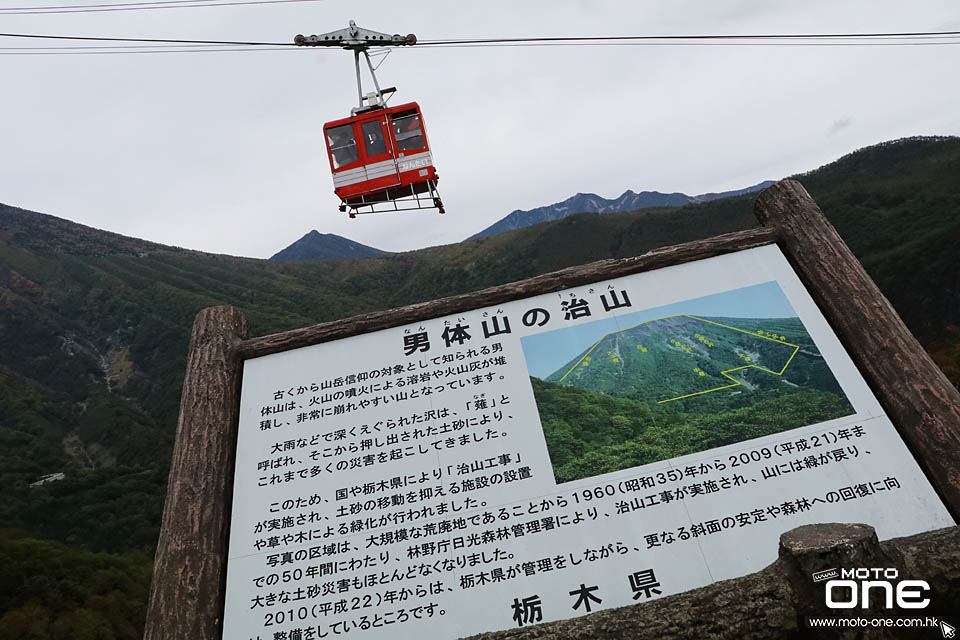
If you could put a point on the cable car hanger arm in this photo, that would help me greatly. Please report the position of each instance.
(359, 40)
(356, 38)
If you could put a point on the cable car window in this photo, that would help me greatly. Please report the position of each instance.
(373, 138)
(406, 129)
(342, 145)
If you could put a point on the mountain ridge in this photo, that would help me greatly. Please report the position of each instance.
(46, 233)
(327, 246)
(629, 200)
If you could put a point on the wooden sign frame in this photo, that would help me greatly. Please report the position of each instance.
(189, 579)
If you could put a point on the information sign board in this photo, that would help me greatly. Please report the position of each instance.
(553, 456)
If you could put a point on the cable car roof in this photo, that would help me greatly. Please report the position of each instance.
(367, 114)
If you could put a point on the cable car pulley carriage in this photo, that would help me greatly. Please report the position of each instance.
(379, 156)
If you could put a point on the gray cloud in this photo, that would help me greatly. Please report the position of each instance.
(839, 125)
(223, 152)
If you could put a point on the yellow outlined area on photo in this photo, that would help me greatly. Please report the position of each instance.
(725, 373)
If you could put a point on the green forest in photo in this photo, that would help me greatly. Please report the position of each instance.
(589, 434)
(679, 385)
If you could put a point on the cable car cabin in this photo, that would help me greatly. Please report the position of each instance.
(382, 156)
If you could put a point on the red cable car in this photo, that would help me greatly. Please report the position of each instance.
(379, 156)
(382, 156)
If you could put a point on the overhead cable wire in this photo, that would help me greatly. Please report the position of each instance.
(723, 36)
(139, 6)
(51, 51)
(116, 46)
(700, 44)
(103, 4)
(168, 50)
(153, 40)
(170, 45)
(586, 39)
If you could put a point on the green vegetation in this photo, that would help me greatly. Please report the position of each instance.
(679, 385)
(94, 330)
(671, 359)
(51, 590)
(589, 434)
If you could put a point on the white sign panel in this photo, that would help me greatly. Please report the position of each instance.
(549, 457)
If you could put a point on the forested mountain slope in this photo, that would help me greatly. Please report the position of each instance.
(94, 330)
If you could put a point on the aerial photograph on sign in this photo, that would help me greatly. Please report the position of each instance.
(679, 379)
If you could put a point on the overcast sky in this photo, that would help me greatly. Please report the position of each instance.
(223, 152)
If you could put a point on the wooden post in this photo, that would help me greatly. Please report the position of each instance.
(922, 403)
(189, 571)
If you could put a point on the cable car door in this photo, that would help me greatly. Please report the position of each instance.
(381, 162)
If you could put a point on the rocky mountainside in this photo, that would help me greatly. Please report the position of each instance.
(691, 362)
(592, 203)
(325, 246)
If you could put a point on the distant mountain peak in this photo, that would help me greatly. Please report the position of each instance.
(325, 246)
(629, 200)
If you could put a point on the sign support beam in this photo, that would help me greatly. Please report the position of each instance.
(915, 393)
